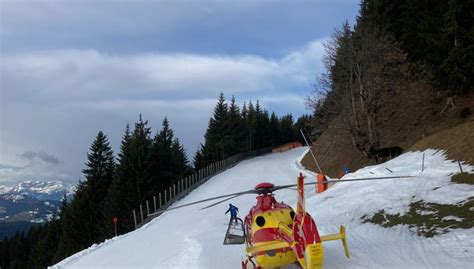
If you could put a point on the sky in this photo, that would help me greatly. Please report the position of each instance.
(69, 69)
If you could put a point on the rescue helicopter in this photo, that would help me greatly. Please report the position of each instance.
(274, 234)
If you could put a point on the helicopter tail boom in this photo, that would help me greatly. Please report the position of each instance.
(307, 246)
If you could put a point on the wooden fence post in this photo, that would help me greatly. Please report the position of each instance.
(159, 198)
(135, 218)
(147, 209)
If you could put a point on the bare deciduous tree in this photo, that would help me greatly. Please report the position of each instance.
(363, 67)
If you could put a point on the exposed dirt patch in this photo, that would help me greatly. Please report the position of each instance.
(463, 178)
(458, 142)
(428, 219)
(410, 119)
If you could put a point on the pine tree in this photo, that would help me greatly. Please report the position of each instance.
(274, 130)
(81, 221)
(163, 163)
(180, 160)
(44, 249)
(303, 123)
(236, 129)
(251, 122)
(215, 145)
(198, 160)
(140, 162)
(119, 202)
(287, 130)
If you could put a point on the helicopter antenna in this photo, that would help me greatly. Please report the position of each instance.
(311, 151)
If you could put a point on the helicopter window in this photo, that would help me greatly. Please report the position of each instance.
(260, 221)
(292, 214)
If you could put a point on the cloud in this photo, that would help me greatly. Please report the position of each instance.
(68, 70)
(76, 75)
(34, 166)
(210, 26)
(41, 155)
(9, 167)
(60, 99)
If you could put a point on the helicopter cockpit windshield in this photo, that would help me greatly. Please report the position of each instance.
(235, 232)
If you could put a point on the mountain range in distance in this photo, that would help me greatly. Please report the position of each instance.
(30, 203)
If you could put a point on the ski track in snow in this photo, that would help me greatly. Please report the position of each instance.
(192, 238)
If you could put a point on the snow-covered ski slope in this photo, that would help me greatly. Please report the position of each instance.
(192, 238)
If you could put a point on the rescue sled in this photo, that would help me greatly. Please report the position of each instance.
(235, 232)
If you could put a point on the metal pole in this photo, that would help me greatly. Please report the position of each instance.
(311, 151)
(423, 163)
(135, 218)
(154, 203)
(174, 191)
(141, 213)
(170, 195)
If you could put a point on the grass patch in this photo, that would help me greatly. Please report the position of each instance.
(465, 178)
(429, 219)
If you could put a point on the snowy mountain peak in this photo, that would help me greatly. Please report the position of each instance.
(4, 189)
(41, 190)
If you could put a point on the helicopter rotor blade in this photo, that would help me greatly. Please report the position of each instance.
(356, 179)
(204, 200)
(269, 190)
(216, 203)
(337, 180)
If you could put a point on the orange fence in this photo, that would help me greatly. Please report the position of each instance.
(286, 147)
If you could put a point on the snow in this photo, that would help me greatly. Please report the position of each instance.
(4, 189)
(38, 220)
(452, 218)
(41, 190)
(192, 238)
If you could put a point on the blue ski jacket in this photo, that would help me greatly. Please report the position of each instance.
(233, 211)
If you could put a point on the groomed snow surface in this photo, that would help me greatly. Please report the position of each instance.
(192, 238)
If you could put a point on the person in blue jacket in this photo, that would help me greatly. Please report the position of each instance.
(233, 212)
(347, 170)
